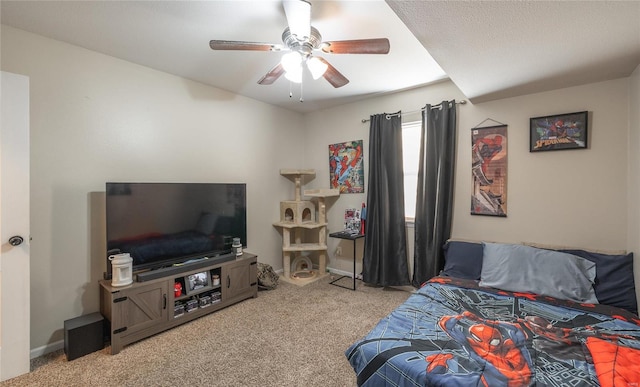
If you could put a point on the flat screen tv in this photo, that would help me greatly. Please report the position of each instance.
(163, 224)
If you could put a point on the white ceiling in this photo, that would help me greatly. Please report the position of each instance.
(498, 49)
(489, 49)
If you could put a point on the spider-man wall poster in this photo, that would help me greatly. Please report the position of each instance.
(489, 171)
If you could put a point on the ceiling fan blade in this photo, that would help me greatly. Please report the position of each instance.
(298, 14)
(333, 76)
(361, 46)
(272, 75)
(245, 46)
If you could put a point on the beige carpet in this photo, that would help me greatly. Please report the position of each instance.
(290, 336)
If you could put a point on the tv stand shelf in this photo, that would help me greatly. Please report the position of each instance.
(143, 309)
(201, 291)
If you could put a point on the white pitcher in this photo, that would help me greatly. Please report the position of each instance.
(121, 269)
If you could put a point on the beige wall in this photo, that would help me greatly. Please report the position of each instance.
(575, 197)
(94, 119)
(633, 236)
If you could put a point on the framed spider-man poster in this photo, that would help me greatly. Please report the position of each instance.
(489, 171)
(558, 132)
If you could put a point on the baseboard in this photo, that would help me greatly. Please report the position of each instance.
(407, 288)
(342, 272)
(45, 349)
(329, 269)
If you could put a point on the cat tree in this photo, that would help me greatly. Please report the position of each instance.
(299, 221)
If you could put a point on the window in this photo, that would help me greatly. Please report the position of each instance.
(411, 159)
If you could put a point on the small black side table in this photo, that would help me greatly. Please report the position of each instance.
(354, 238)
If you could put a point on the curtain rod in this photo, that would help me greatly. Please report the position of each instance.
(461, 102)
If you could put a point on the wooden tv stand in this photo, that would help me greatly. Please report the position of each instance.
(142, 309)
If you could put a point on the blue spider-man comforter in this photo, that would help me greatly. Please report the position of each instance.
(453, 332)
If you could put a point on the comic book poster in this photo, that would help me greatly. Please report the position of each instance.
(352, 220)
(346, 167)
(489, 171)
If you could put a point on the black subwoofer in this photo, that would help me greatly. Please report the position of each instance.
(83, 335)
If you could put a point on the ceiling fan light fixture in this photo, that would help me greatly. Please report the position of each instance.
(316, 67)
(294, 76)
(291, 61)
(301, 39)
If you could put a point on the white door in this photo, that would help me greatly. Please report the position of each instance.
(14, 225)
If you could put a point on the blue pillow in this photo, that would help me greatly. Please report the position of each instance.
(462, 259)
(614, 283)
(519, 268)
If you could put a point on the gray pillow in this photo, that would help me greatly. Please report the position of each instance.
(519, 268)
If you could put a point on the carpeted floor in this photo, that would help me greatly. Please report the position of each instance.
(290, 336)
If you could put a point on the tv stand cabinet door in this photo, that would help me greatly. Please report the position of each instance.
(137, 312)
(240, 280)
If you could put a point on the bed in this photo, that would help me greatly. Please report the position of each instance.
(510, 315)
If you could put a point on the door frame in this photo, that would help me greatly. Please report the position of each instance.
(15, 318)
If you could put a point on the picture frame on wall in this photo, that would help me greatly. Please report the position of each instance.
(346, 167)
(559, 132)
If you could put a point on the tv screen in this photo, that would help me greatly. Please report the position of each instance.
(161, 224)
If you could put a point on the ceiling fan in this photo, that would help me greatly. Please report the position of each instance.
(301, 40)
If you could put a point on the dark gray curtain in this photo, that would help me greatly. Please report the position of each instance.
(434, 200)
(385, 251)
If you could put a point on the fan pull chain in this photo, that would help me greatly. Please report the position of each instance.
(291, 91)
(301, 99)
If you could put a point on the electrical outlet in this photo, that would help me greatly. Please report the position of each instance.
(339, 251)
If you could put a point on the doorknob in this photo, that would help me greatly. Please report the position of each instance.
(16, 240)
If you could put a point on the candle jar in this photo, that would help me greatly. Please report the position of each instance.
(237, 247)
